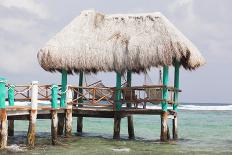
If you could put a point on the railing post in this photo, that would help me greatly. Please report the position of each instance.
(54, 117)
(80, 100)
(33, 114)
(175, 105)
(62, 101)
(3, 114)
(11, 90)
(68, 114)
(164, 116)
(130, 118)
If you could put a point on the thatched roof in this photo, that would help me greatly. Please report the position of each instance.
(96, 42)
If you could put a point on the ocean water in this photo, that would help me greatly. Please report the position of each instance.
(203, 129)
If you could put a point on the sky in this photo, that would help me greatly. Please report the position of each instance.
(26, 25)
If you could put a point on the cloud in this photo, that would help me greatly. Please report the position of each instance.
(30, 6)
(15, 25)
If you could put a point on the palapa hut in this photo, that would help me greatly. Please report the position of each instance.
(95, 42)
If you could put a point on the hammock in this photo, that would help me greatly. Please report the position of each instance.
(153, 93)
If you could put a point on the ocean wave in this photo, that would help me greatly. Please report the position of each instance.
(198, 107)
(181, 107)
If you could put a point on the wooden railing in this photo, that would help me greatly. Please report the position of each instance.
(97, 96)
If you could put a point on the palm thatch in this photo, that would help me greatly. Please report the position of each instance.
(96, 42)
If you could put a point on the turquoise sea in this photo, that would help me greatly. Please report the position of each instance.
(203, 129)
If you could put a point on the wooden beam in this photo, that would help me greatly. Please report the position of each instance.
(175, 105)
(118, 91)
(62, 101)
(165, 89)
(80, 119)
(63, 88)
(11, 96)
(130, 123)
(68, 115)
(117, 124)
(54, 116)
(33, 115)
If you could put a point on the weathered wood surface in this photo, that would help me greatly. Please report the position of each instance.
(10, 127)
(3, 128)
(79, 125)
(54, 126)
(164, 127)
(32, 129)
(61, 120)
(68, 123)
(175, 128)
(117, 124)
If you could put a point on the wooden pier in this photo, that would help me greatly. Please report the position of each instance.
(79, 102)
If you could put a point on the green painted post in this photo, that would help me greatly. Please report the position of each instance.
(128, 78)
(2, 93)
(11, 95)
(54, 96)
(81, 85)
(118, 91)
(176, 84)
(165, 89)
(63, 88)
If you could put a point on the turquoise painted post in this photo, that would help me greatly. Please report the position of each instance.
(176, 84)
(2, 93)
(118, 91)
(54, 96)
(63, 88)
(11, 95)
(165, 89)
(81, 85)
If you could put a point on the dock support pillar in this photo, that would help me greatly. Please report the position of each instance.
(175, 128)
(176, 95)
(3, 114)
(80, 119)
(33, 115)
(130, 118)
(68, 115)
(117, 122)
(164, 135)
(54, 116)
(61, 118)
(79, 125)
(11, 103)
(3, 128)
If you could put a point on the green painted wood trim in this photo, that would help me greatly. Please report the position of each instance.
(176, 84)
(11, 97)
(81, 76)
(128, 81)
(165, 89)
(63, 88)
(2, 93)
(54, 96)
(128, 78)
(118, 91)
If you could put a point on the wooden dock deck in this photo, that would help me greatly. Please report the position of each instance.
(85, 104)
